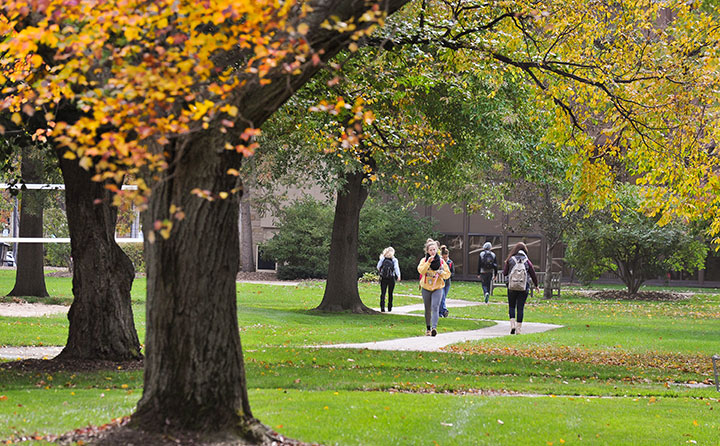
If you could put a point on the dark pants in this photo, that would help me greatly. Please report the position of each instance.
(516, 299)
(389, 285)
(486, 280)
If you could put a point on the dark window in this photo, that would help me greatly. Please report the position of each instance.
(263, 261)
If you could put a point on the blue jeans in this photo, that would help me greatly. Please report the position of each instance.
(486, 280)
(443, 308)
(516, 300)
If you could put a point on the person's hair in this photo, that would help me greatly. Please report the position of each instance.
(444, 251)
(431, 242)
(519, 246)
(388, 252)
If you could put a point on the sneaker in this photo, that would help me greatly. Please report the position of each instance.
(382, 310)
(433, 332)
(512, 331)
(428, 333)
(487, 297)
(445, 313)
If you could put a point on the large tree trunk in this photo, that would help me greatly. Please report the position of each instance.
(101, 319)
(341, 290)
(30, 274)
(247, 258)
(194, 371)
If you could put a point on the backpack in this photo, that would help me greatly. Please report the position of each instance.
(487, 260)
(517, 280)
(387, 269)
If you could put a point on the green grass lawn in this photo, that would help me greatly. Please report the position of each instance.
(616, 373)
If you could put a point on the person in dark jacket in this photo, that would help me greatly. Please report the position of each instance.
(389, 269)
(487, 269)
(517, 298)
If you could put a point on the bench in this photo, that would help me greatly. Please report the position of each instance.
(501, 281)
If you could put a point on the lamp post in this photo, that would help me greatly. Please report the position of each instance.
(716, 359)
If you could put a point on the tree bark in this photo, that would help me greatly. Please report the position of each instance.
(101, 319)
(30, 273)
(247, 257)
(341, 290)
(194, 371)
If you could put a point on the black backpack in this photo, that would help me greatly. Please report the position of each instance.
(387, 269)
(487, 260)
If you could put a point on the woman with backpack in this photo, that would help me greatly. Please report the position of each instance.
(389, 270)
(433, 273)
(519, 271)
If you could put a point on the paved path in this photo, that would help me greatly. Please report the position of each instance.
(17, 353)
(435, 343)
(417, 343)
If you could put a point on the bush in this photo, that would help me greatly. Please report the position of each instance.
(302, 244)
(384, 224)
(369, 278)
(136, 252)
(55, 225)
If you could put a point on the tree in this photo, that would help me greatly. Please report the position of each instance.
(181, 82)
(100, 316)
(174, 92)
(30, 273)
(634, 248)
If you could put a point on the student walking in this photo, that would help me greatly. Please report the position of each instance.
(445, 254)
(389, 270)
(487, 269)
(433, 273)
(519, 271)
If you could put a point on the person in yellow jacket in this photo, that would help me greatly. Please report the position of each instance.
(433, 272)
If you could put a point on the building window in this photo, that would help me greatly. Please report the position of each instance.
(476, 246)
(454, 244)
(534, 245)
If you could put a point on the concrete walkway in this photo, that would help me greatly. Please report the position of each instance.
(435, 343)
(417, 343)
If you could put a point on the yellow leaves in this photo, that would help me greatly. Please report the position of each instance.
(16, 118)
(199, 109)
(303, 28)
(85, 162)
(131, 33)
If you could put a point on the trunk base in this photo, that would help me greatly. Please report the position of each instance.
(123, 434)
(356, 308)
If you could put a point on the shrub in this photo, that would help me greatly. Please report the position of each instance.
(302, 244)
(55, 225)
(136, 253)
(369, 278)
